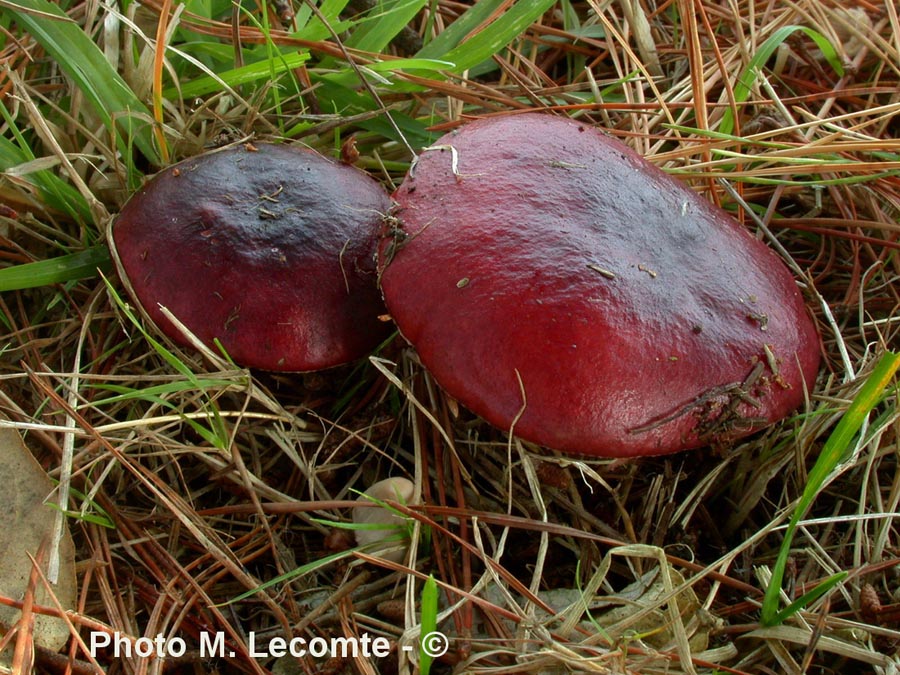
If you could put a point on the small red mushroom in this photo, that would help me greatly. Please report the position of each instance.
(268, 249)
(562, 287)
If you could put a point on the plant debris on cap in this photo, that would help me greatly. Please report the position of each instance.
(266, 248)
(559, 285)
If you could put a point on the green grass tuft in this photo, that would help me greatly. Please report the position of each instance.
(834, 452)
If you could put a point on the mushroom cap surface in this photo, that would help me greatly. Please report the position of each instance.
(267, 248)
(560, 286)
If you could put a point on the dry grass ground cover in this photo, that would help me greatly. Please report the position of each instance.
(204, 499)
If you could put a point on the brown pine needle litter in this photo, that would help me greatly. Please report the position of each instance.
(211, 505)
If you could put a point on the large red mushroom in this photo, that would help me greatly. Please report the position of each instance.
(563, 288)
(267, 249)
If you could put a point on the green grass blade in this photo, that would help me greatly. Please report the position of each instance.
(487, 42)
(396, 65)
(766, 49)
(833, 452)
(311, 28)
(399, 528)
(293, 574)
(721, 136)
(57, 270)
(81, 59)
(214, 434)
(217, 433)
(157, 391)
(374, 32)
(429, 621)
(808, 597)
(253, 72)
(453, 34)
(97, 516)
(386, 73)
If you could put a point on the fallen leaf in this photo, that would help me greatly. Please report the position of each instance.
(27, 526)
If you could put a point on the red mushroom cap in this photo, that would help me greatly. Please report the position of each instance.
(558, 284)
(267, 248)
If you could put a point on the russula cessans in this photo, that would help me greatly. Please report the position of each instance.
(267, 248)
(380, 524)
(560, 286)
